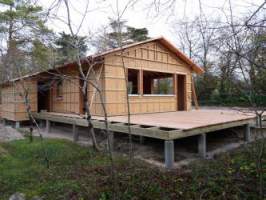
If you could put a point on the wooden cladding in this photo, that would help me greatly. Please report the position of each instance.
(149, 58)
(13, 102)
(66, 98)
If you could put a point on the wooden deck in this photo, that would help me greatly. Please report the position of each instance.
(185, 120)
(166, 126)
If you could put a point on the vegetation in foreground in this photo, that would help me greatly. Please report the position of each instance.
(80, 173)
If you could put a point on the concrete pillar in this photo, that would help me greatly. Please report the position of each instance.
(202, 146)
(141, 139)
(75, 132)
(247, 134)
(17, 124)
(169, 154)
(42, 124)
(257, 121)
(4, 122)
(111, 140)
(48, 126)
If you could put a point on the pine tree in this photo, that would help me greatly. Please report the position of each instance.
(21, 24)
(66, 47)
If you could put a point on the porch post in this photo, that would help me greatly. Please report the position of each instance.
(247, 134)
(202, 147)
(169, 157)
(75, 130)
(48, 126)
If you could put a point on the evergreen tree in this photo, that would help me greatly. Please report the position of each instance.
(119, 34)
(66, 47)
(21, 23)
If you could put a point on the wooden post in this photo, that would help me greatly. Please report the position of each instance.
(140, 82)
(194, 95)
(75, 132)
(17, 124)
(202, 147)
(247, 134)
(169, 154)
(174, 85)
(48, 126)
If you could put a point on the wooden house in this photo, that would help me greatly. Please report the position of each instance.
(158, 74)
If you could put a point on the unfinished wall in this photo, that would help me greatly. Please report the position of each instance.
(13, 104)
(69, 99)
(97, 77)
(150, 57)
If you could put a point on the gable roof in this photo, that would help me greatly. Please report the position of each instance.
(165, 43)
(162, 40)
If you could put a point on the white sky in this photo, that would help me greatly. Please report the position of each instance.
(139, 15)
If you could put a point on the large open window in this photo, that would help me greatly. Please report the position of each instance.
(133, 81)
(157, 83)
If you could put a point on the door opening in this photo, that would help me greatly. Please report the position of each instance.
(43, 96)
(181, 92)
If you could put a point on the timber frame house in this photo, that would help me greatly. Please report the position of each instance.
(160, 90)
(159, 79)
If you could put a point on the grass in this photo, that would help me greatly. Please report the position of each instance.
(79, 173)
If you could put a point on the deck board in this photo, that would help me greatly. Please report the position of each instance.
(185, 120)
(166, 126)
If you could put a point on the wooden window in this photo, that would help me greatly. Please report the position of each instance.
(158, 83)
(59, 89)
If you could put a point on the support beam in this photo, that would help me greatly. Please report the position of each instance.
(75, 132)
(247, 134)
(169, 154)
(17, 125)
(202, 146)
(48, 126)
(111, 140)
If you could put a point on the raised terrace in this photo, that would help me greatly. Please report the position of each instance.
(166, 126)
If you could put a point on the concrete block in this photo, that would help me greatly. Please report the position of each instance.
(169, 154)
(48, 126)
(75, 132)
(17, 125)
(247, 133)
(141, 139)
(202, 145)
(111, 141)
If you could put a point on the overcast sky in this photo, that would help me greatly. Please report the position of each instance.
(141, 15)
